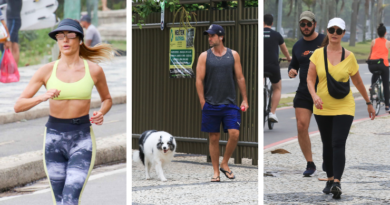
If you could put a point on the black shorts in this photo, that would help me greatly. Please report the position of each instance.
(13, 28)
(275, 71)
(303, 101)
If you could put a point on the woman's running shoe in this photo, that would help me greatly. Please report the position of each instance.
(336, 190)
(327, 187)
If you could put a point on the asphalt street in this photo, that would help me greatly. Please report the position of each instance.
(287, 126)
(102, 189)
(27, 136)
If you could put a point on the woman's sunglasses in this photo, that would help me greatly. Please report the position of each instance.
(338, 31)
(61, 36)
(309, 24)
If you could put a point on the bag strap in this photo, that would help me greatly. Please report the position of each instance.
(326, 60)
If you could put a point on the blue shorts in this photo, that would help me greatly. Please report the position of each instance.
(13, 28)
(213, 115)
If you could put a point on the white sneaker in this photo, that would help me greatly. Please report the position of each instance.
(272, 117)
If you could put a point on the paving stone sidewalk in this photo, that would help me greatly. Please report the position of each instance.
(366, 178)
(189, 183)
(114, 70)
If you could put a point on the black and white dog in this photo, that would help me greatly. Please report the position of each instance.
(156, 148)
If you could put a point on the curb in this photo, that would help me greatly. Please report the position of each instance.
(315, 133)
(44, 112)
(28, 167)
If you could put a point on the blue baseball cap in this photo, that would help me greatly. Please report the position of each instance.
(68, 25)
(215, 29)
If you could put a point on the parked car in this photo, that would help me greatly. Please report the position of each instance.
(347, 36)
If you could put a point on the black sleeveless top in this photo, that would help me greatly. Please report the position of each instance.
(219, 83)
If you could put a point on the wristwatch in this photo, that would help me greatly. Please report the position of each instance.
(368, 103)
(8, 39)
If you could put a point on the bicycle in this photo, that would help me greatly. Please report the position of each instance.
(267, 90)
(376, 93)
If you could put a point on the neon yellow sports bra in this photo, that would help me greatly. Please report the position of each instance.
(80, 90)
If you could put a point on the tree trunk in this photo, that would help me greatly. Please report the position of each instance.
(372, 19)
(366, 7)
(314, 6)
(331, 9)
(352, 38)
(299, 34)
(296, 19)
(276, 14)
(379, 13)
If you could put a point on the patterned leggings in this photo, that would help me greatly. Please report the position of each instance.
(69, 157)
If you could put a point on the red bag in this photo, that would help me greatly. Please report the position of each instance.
(9, 72)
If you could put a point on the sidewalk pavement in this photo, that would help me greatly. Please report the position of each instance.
(189, 183)
(366, 174)
(354, 91)
(115, 72)
(24, 168)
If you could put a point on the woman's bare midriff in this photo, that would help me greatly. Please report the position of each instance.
(68, 109)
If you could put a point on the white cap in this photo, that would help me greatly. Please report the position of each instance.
(336, 22)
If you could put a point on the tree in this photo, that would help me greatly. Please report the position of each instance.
(366, 7)
(372, 19)
(355, 8)
(379, 9)
(331, 9)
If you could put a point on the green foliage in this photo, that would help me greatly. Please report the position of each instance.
(34, 45)
(151, 6)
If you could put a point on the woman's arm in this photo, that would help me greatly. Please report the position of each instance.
(358, 82)
(105, 96)
(311, 81)
(27, 100)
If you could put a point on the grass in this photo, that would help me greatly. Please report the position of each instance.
(119, 44)
(284, 102)
(361, 50)
(34, 45)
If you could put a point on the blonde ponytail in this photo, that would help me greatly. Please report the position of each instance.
(96, 54)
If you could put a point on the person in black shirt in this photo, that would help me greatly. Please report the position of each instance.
(272, 41)
(303, 102)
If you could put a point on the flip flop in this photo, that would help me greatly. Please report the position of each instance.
(224, 172)
(217, 179)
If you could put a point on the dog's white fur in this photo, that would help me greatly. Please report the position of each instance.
(155, 157)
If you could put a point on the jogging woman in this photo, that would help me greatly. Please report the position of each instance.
(69, 142)
(378, 61)
(334, 116)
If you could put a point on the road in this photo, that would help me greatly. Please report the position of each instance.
(287, 128)
(22, 137)
(102, 189)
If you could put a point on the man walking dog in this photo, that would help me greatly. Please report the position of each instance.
(215, 72)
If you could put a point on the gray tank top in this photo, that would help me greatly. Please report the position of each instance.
(219, 83)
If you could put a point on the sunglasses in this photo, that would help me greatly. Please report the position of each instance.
(339, 31)
(309, 24)
(61, 36)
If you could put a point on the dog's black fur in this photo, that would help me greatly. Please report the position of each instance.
(141, 142)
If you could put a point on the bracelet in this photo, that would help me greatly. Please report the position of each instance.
(368, 103)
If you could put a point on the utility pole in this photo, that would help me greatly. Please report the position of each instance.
(280, 9)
